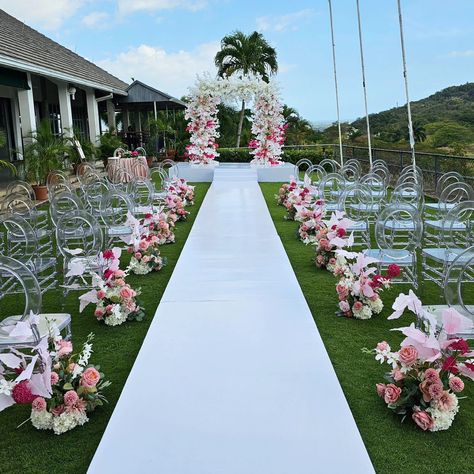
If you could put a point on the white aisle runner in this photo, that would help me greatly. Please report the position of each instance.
(233, 377)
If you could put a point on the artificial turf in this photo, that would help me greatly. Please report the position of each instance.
(392, 446)
(27, 450)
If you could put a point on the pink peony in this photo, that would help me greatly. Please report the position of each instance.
(435, 390)
(54, 378)
(22, 393)
(357, 306)
(431, 375)
(383, 346)
(445, 402)
(90, 377)
(408, 355)
(127, 293)
(380, 389)
(423, 420)
(70, 397)
(392, 393)
(38, 404)
(456, 384)
(63, 347)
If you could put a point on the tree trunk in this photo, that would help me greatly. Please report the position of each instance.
(241, 123)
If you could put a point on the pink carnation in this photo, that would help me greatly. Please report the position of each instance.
(431, 375)
(22, 393)
(54, 378)
(70, 397)
(456, 384)
(38, 404)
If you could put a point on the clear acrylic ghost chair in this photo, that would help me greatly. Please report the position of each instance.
(93, 194)
(379, 164)
(141, 151)
(355, 163)
(140, 169)
(457, 234)
(331, 166)
(114, 210)
(383, 174)
(86, 174)
(315, 173)
(350, 173)
(331, 187)
(377, 186)
(23, 191)
(398, 234)
(118, 152)
(158, 178)
(80, 241)
(458, 290)
(20, 188)
(450, 193)
(450, 197)
(12, 269)
(21, 243)
(142, 192)
(357, 202)
(170, 168)
(408, 194)
(301, 166)
(64, 203)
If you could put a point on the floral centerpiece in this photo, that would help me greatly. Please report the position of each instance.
(129, 154)
(285, 188)
(176, 206)
(332, 236)
(76, 389)
(298, 197)
(310, 221)
(181, 188)
(146, 256)
(427, 371)
(161, 224)
(359, 286)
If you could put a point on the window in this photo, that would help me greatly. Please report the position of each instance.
(6, 126)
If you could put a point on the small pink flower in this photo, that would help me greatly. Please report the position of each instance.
(456, 384)
(70, 397)
(380, 389)
(71, 367)
(392, 393)
(54, 378)
(119, 274)
(344, 306)
(109, 308)
(119, 282)
(332, 261)
(57, 410)
(99, 313)
(445, 402)
(397, 375)
(101, 294)
(383, 346)
(90, 377)
(63, 347)
(138, 255)
(357, 306)
(143, 245)
(408, 355)
(127, 293)
(431, 375)
(435, 390)
(38, 404)
(423, 420)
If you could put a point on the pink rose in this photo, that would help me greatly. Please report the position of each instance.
(119, 282)
(63, 347)
(431, 375)
(38, 404)
(101, 294)
(323, 243)
(130, 249)
(380, 389)
(119, 274)
(344, 306)
(99, 313)
(90, 377)
(383, 346)
(435, 390)
(109, 308)
(425, 390)
(397, 375)
(456, 384)
(143, 245)
(70, 397)
(54, 378)
(138, 255)
(146, 259)
(423, 420)
(357, 306)
(127, 293)
(408, 355)
(130, 305)
(392, 393)
(332, 261)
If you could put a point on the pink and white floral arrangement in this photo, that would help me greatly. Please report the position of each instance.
(146, 255)
(180, 187)
(76, 389)
(160, 224)
(310, 219)
(360, 285)
(284, 190)
(427, 371)
(332, 236)
(175, 205)
(298, 197)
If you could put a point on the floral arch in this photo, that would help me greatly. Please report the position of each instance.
(268, 127)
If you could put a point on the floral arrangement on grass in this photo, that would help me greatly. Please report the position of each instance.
(359, 286)
(310, 222)
(146, 256)
(284, 190)
(181, 188)
(296, 198)
(76, 389)
(426, 373)
(176, 206)
(332, 236)
(161, 224)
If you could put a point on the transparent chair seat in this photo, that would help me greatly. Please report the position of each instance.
(443, 255)
(40, 234)
(90, 263)
(119, 230)
(159, 195)
(38, 265)
(438, 224)
(399, 225)
(61, 320)
(358, 226)
(398, 256)
(373, 207)
(440, 206)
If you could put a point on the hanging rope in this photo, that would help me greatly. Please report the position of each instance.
(405, 75)
(362, 63)
(335, 82)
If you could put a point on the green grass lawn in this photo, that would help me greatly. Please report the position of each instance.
(26, 450)
(392, 446)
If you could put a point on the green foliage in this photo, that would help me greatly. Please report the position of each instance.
(447, 134)
(45, 153)
(171, 126)
(89, 149)
(242, 155)
(109, 142)
(3, 163)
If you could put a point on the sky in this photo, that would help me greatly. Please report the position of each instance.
(165, 43)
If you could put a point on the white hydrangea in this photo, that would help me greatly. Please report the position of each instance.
(68, 421)
(138, 267)
(442, 420)
(364, 313)
(376, 306)
(42, 420)
(117, 317)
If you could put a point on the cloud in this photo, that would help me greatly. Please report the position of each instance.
(171, 72)
(50, 14)
(95, 19)
(280, 23)
(127, 6)
(461, 54)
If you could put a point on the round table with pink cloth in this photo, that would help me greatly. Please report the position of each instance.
(129, 165)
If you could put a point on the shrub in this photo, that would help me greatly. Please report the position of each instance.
(242, 155)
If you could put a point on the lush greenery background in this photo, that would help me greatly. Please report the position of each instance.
(392, 446)
(28, 450)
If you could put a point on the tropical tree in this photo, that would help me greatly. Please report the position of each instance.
(419, 132)
(245, 55)
(3, 163)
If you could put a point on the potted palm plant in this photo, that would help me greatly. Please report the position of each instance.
(44, 154)
(4, 163)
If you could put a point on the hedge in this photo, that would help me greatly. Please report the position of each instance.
(242, 155)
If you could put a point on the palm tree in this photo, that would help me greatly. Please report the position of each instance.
(419, 132)
(245, 55)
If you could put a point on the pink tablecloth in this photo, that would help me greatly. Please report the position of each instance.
(129, 165)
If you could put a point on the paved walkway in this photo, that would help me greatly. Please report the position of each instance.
(232, 377)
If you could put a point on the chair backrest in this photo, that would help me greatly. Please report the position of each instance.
(64, 203)
(158, 177)
(408, 193)
(331, 186)
(118, 152)
(398, 228)
(94, 192)
(315, 173)
(382, 173)
(376, 184)
(355, 163)
(20, 188)
(446, 179)
(458, 226)
(20, 238)
(17, 203)
(140, 169)
(141, 151)
(379, 164)
(170, 168)
(459, 283)
(455, 192)
(11, 268)
(141, 191)
(115, 206)
(79, 230)
(350, 172)
(331, 166)
(301, 165)
(357, 202)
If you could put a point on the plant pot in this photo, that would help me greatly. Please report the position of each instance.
(150, 160)
(41, 192)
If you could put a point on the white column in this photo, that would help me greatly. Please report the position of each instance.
(65, 109)
(93, 116)
(111, 115)
(27, 110)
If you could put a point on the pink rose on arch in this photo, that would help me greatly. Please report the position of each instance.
(120, 282)
(90, 377)
(392, 393)
(422, 419)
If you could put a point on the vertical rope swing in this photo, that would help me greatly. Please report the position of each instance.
(335, 82)
(362, 63)
(405, 75)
